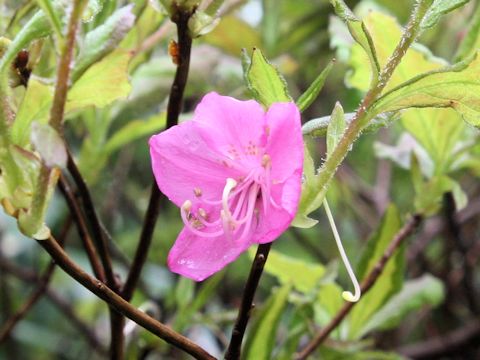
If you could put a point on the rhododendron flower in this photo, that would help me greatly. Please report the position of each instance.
(235, 172)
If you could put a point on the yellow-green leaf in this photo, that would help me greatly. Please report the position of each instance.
(103, 83)
(304, 276)
(455, 86)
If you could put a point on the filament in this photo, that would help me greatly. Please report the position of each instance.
(347, 295)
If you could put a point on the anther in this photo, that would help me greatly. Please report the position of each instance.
(266, 160)
(187, 206)
(197, 191)
(202, 213)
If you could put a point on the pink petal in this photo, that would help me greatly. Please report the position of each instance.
(285, 143)
(273, 223)
(229, 124)
(182, 162)
(197, 258)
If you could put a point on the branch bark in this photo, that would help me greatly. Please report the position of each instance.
(365, 286)
(235, 348)
(174, 108)
(121, 305)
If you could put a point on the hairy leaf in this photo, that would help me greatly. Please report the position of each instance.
(439, 8)
(102, 83)
(104, 39)
(455, 86)
(265, 82)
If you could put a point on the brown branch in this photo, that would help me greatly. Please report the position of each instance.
(235, 348)
(455, 233)
(100, 236)
(82, 228)
(62, 304)
(365, 286)
(174, 108)
(443, 345)
(37, 294)
(119, 304)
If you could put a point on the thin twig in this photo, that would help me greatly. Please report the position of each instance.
(235, 348)
(37, 294)
(100, 236)
(455, 232)
(173, 111)
(119, 304)
(79, 219)
(365, 286)
(61, 303)
(440, 346)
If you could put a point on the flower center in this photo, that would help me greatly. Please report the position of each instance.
(236, 214)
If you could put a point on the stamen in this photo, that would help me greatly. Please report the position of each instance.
(266, 160)
(185, 212)
(231, 183)
(202, 213)
(187, 206)
(226, 225)
(347, 295)
(252, 199)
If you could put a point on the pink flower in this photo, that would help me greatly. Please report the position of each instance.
(235, 171)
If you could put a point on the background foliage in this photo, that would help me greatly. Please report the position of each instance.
(424, 162)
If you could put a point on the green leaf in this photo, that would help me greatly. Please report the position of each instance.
(439, 8)
(49, 10)
(303, 276)
(261, 339)
(104, 39)
(226, 35)
(309, 96)
(471, 42)
(35, 106)
(336, 128)
(202, 297)
(265, 82)
(360, 34)
(329, 302)
(134, 130)
(386, 33)
(416, 294)
(102, 83)
(438, 132)
(202, 23)
(38, 26)
(391, 279)
(429, 194)
(184, 292)
(455, 86)
(310, 195)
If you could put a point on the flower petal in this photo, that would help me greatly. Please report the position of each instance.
(197, 258)
(183, 162)
(230, 125)
(285, 142)
(273, 223)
